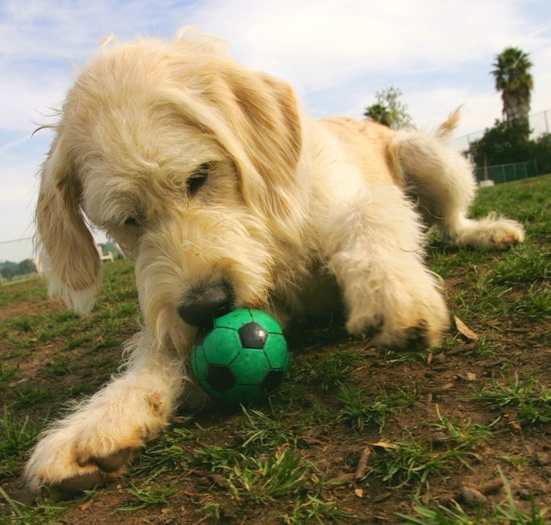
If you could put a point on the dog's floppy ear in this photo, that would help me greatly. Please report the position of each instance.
(66, 247)
(263, 114)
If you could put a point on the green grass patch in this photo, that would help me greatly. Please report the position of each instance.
(413, 462)
(428, 420)
(528, 396)
(507, 512)
(17, 435)
(363, 409)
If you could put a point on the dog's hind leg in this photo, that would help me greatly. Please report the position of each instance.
(442, 182)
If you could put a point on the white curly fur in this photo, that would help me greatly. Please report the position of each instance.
(296, 215)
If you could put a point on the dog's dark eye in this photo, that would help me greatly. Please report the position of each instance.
(131, 221)
(198, 178)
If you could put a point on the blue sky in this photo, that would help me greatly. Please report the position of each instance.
(335, 53)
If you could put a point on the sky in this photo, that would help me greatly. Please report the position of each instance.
(335, 53)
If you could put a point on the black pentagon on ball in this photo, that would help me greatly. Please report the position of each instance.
(252, 335)
(220, 378)
(272, 380)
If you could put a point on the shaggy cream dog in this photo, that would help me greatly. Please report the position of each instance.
(225, 194)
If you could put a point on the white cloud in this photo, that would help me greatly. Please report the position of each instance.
(541, 96)
(19, 183)
(336, 53)
(317, 43)
(17, 202)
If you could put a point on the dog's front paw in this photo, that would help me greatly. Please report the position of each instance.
(68, 463)
(402, 318)
(414, 338)
(94, 444)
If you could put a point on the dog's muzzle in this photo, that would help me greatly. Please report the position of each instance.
(206, 302)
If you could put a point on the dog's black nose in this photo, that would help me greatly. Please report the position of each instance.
(206, 302)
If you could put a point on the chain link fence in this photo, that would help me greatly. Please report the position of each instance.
(17, 249)
(17, 260)
(540, 124)
(507, 172)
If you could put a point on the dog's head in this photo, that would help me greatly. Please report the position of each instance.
(169, 144)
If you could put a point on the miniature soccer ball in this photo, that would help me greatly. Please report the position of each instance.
(241, 358)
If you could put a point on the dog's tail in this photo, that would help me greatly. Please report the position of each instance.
(436, 175)
(445, 129)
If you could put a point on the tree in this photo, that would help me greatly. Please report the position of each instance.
(388, 110)
(514, 81)
(542, 153)
(505, 143)
(25, 267)
(8, 270)
(379, 113)
(509, 143)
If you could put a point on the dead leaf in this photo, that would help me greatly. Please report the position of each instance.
(86, 505)
(383, 444)
(464, 330)
(362, 463)
(469, 376)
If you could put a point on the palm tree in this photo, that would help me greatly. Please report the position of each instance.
(515, 82)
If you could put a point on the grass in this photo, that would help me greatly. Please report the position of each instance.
(268, 477)
(505, 512)
(413, 462)
(264, 431)
(15, 292)
(355, 434)
(363, 409)
(329, 371)
(167, 453)
(528, 396)
(461, 435)
(16, 436)
(22, 514)
(149, 495)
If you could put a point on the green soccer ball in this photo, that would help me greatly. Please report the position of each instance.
(241, 358)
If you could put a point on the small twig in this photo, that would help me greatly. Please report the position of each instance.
(493, 364)
(491, 486)
(382, 497)
(436, 390)
(462, 348)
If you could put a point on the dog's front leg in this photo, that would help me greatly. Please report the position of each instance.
(96, 441)
(375, 250)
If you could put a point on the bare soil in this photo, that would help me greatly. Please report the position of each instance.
(442, 384)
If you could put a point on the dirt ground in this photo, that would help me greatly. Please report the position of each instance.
(441, 384)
